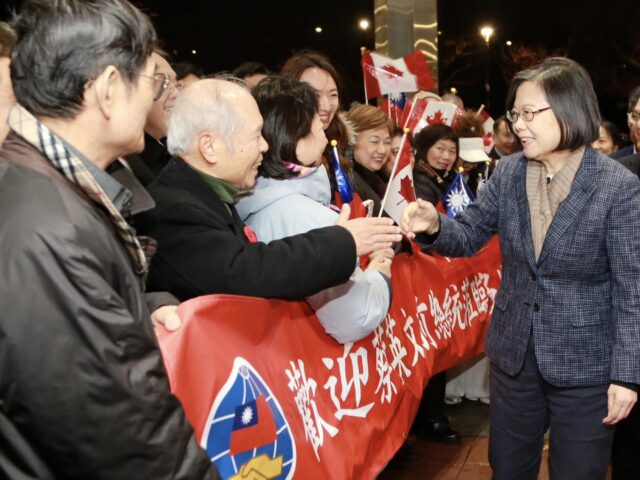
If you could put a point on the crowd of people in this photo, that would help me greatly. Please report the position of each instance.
(130, 183)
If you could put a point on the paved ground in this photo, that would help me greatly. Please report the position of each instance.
(420, 459)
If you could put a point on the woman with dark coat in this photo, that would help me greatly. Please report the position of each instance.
(564, 336)
(371, 150)
(436, 152)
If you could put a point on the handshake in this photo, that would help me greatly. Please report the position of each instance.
(371, 234)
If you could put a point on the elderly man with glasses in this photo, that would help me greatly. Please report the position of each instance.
(150, 162)
(83, 389)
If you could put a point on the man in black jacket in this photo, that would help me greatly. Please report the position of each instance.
(203, 246)
(83, 389)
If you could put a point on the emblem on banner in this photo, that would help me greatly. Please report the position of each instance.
(247, 434)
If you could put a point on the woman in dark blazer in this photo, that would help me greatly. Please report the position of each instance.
(370, 152)
(564, 338)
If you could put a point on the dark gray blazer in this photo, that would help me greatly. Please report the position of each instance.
(581, 299)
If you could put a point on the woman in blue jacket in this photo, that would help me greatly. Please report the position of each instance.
(564, 338)
(292, 195)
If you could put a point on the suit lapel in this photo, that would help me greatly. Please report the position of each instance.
(520, 176)
(574, 205)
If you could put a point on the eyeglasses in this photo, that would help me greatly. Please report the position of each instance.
(162, 82)
(526, 113)
(395, 150)
(633, 117)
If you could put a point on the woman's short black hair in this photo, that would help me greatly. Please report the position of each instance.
(63, 45)
(288, 107)
(429, 136)
(570, 94)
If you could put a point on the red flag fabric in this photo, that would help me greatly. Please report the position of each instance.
(401, 191)
(487, 126)
(427, 112)
(394, 107)
(340, 411)
(384, 75)
(253, 426)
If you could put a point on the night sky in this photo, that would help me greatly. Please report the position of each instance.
(604, 36)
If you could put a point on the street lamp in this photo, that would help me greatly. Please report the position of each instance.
(487, 32)
(364, 24)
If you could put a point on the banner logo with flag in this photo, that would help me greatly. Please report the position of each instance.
(384, 75)
(247, 434)
(457, 197)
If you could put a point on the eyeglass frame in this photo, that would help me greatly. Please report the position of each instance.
(531, 114)
(395, 151)
(166, 83)
(631, 115)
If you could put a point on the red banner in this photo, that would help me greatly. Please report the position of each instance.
(262, 374)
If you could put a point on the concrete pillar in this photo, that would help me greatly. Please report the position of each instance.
(402, 26)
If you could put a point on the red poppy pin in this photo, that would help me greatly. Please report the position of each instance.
(250, 234)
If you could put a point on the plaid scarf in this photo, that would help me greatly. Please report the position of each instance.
(69, 165)
(432, 172)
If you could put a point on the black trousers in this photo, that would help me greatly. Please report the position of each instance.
(432, 403)
(625, 458)
(523, 406)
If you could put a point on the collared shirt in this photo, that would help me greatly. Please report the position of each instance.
(119, 196)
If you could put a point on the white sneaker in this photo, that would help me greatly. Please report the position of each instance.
(452, 400)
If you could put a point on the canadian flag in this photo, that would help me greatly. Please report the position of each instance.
(487, 126)
(427, 112)
(400, 191)
(384, 75)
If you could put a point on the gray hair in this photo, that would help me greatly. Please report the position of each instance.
(64, 44)
(203, 106)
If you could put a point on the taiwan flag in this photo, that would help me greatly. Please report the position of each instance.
(400, 191)
(253, 426)
(384, 75)
(457, 197)
(394, 106)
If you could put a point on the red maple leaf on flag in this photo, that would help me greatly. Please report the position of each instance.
(406, 190)
(392, 71)
(438, 117)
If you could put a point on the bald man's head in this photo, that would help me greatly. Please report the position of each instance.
(216, 127)
(205, 105)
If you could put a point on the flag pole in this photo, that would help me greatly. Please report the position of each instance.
(397, 159)
(364, 76)
(480, 110)
(393, 170)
